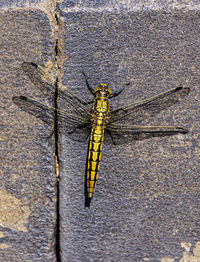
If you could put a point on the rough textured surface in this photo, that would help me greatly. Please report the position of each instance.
(146, 203)
(127, 5)
(27, 167)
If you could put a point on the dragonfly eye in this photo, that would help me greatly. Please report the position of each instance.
(103, 88)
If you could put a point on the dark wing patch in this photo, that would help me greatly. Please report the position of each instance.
(139, 111)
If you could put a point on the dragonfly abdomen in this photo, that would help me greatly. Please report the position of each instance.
(94, 158)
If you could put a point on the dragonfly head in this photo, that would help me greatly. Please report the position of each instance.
(103, 89)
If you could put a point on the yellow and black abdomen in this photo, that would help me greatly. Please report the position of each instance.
(94, 158)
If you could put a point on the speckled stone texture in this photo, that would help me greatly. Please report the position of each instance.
(27, 166)
(146, 203)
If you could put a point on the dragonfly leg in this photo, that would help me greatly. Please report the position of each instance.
(111, 136)
(84, 103)
(71, 132)
(88, 86)
(90, 102)
(119, 92)
(79, 127)
(120, 109)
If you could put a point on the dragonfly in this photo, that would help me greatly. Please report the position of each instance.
(95, 121)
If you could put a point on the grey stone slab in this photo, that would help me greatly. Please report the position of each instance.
(146, 203)
(27, 164)
(18, 4)
(127, 6)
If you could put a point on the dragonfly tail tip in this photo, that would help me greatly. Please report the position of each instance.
(87, 202)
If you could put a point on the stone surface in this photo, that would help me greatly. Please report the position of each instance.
(146, 201)
(27, 165)
(125, 5)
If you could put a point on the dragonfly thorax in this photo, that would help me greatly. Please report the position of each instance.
(101, 106)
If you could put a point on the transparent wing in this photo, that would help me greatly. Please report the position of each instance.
(139, 111)
(77, 128)
(121, 134)
(45, 82)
